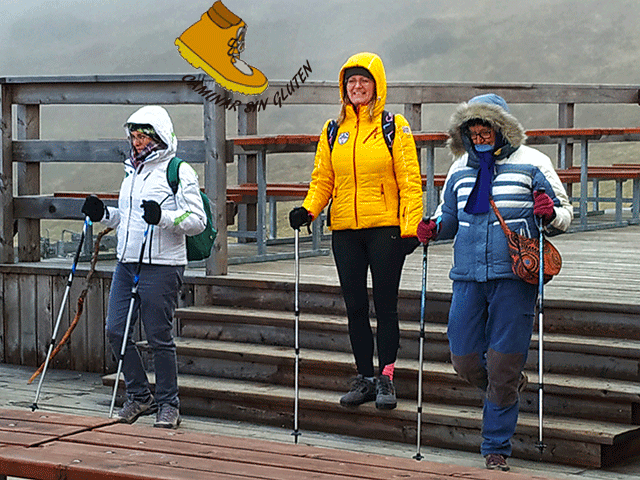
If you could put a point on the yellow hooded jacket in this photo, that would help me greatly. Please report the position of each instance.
(369, 188)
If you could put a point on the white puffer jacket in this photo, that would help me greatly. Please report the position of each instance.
(182, 214)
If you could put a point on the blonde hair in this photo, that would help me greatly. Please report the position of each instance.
(345, 101)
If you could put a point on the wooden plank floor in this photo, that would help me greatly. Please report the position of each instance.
(600, 266)
(83, 394)
(83, 448)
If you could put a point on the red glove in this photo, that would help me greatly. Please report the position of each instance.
(427, 230)
(543, 207)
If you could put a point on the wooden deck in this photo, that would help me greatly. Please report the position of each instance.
(45, 445)
(600, 266)
(78, 402)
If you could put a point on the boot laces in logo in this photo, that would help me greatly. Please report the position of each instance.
(214, 44)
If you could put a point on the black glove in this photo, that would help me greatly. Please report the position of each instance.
(93, 208)
(409, 244)
(152, 212)
(298, 217)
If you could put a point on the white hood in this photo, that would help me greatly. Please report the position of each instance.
(159, 119)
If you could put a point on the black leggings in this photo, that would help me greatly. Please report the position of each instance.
(355, 251)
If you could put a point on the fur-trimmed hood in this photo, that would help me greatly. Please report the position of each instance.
(490, 108)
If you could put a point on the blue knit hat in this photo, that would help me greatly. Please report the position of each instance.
(492, 99)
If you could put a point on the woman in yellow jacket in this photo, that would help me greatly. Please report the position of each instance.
(375, 191)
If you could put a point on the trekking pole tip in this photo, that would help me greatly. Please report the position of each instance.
(541, 446)
(34, 407)
(418, 457)
(295, 434)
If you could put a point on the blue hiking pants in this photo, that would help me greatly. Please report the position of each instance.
(155, 304)
(490, 327)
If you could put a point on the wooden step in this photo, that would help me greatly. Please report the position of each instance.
(317, 331)
(578, 442)
(604, 357)
(569, 354)
(577, 397)
(588, 318)
(313, 298)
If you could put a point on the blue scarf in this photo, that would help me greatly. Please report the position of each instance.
(478, 201)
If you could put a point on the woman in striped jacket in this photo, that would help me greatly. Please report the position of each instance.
(492, 310)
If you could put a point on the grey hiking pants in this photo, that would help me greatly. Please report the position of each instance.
(155, 303)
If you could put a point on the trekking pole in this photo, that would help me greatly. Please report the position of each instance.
(423, 301)
(52, 343)
(296, 432)
(540, 445)
(125, 336)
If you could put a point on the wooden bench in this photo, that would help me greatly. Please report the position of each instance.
(44, 446)
(596, 174)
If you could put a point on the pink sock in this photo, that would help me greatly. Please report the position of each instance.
(388, 370)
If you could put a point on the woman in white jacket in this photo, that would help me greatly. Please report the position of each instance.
(147, 204)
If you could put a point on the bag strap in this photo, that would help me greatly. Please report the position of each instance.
(173, 177)
(503, 224)
(388, 121)
(389, 129)
(332, 131)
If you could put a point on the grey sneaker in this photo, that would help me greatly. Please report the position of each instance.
(495, 461)
(168, 417)
(362, 390)
(385, 394)
(132, 410)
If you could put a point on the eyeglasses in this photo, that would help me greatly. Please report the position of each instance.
(139, 137)
(484, 135)
(364, 81)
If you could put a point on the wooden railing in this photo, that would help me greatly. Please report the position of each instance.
(23, 152)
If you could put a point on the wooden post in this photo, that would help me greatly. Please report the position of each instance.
(247, 125)
(565, 120)
(6, 177)
(584, 182)
(215, 176)
(430, 172)
(261, 224)
(28, 128)
(413, 114)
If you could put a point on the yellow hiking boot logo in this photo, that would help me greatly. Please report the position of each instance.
(214, 44)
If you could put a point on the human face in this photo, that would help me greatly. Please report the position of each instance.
(481, 135)
(139, 140)
(360, 90)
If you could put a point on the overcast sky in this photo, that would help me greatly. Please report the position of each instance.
(433, 40)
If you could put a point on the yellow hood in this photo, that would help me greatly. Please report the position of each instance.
(373, 63)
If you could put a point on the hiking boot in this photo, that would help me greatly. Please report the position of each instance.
(132, 410)
(385, 394)
(168, 417)
(214, 43)
(362, 390)
(523, 381)
(495, 461)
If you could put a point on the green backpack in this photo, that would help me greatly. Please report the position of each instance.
(198, 246)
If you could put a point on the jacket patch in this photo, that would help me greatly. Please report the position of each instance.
(406, 130)
(343, 138)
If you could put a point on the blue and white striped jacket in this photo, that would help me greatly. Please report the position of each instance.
(480, 246)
